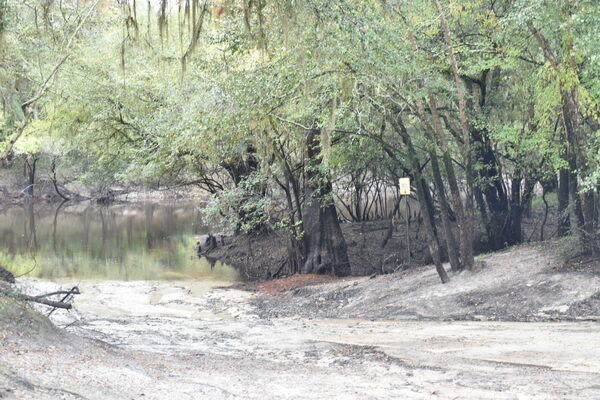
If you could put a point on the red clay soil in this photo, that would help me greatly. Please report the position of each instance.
(291, 282)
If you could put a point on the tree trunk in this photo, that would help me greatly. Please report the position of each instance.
(55, 181)
(432, 240)
(295, 245)
(325, 246)
(451, 245)
(436, 135)
(426, 210)
(563, 202)
(30, 172)
(583, 218)
(498, 230)
(516, 209)
(575, 212)
(15, 137)
(439, 133)
(466, 225)
(482, 210)
(590, 221)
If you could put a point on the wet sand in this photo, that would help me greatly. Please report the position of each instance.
(187, 341)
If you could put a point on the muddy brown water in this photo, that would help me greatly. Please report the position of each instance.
(123, 242)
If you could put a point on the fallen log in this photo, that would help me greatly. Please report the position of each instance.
(9, 291)
(54, 304)
(70, 293)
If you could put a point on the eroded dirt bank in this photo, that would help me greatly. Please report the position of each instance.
(264, 256)
(524, 283)
(184, 341)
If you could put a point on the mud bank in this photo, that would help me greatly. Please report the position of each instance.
(173, 341)
(524, 283)
(263, 257)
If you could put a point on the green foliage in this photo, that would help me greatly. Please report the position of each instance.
(168, 104)
(243, 208)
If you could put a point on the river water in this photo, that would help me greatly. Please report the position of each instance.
(122, 242)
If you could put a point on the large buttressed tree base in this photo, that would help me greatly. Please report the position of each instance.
(325, 246)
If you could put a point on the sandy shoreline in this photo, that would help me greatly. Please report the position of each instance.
(171, 340)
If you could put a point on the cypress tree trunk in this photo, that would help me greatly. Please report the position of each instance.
(324, 243)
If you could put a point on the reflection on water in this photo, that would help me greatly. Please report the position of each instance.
(119, 242)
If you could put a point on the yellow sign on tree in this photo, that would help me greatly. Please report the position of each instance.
(404, 186)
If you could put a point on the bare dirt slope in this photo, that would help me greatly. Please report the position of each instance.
(524, 283)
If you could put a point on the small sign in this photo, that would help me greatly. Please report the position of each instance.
(404, 186)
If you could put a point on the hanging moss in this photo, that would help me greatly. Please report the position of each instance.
(163, 22)
(347, 87)
(149, 20)
(327, 131)
(262, 39)
(3, 19)
(195, 37)
(131, 23)
(247, 6)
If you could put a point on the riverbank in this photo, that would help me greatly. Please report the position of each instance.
(14, 191)
(264, 256)
(402, 335)
(372, 248)
(523, 283)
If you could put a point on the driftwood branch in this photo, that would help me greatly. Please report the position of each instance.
(55, 304)
(75, 290)
(70, 293)
(9, 291)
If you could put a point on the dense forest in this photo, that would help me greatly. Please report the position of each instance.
(292, 114)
